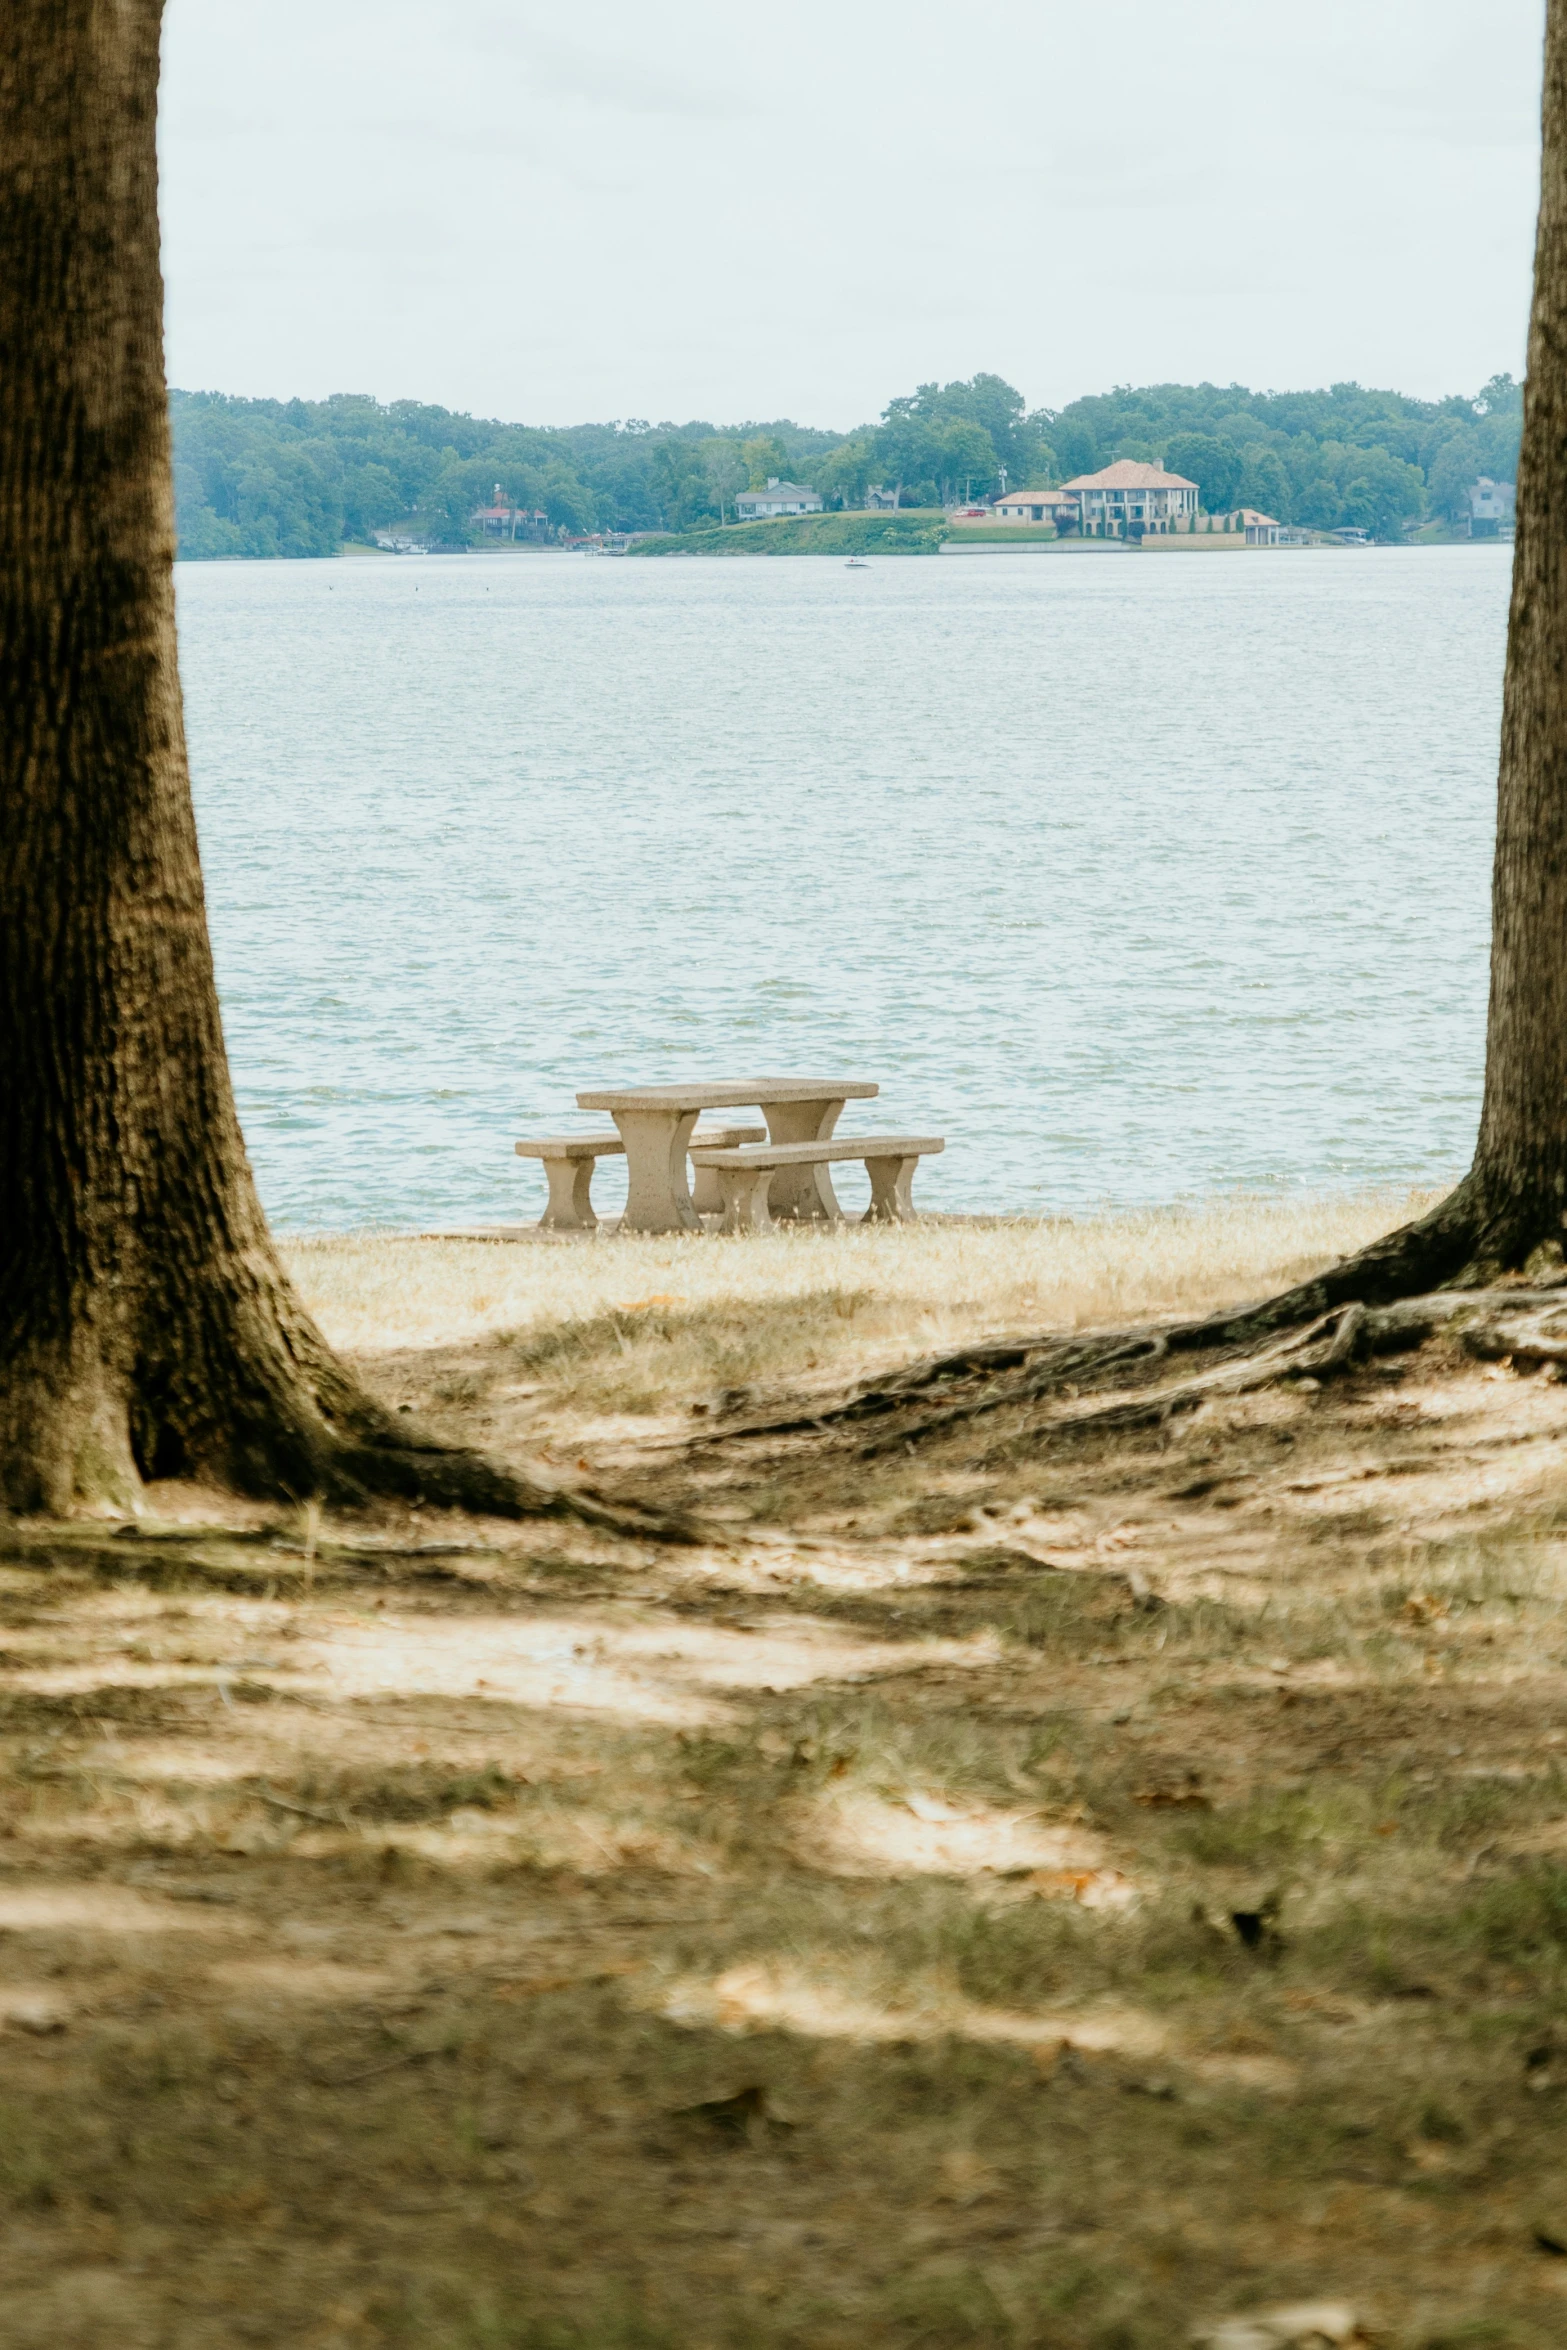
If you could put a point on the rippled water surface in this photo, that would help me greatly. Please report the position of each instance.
(1136, 876)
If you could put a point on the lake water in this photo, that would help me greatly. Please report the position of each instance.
(1138, 877)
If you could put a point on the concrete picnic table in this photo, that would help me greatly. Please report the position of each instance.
(655, 1123)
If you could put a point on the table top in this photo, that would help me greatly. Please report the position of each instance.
(739, 1095)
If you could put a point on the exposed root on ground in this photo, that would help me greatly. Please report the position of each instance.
(1524, 1324)
(1453, 1263)
(453, 1478)
(316, 1433)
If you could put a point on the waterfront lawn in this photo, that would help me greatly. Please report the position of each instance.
(992, 1897)
(914, 530)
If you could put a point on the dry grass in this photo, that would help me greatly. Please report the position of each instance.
(388, 1908)
(643, 1325)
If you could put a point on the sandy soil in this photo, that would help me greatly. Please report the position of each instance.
(1028, 1892)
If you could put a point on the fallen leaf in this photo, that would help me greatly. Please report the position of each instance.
(1089, 1888)
(1422, 1607)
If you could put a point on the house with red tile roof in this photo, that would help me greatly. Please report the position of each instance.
(1129, 500)
(501, 521)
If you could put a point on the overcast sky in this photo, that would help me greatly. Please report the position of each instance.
(684, 209)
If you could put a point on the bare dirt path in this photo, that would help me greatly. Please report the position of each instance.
(1042, 1898)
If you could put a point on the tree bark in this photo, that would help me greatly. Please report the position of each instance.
(1510, 1211)
(147, 1327)
(1517, 1190)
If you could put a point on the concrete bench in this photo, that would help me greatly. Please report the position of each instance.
(744, 1174)
(706, 1197)
(568, 1167)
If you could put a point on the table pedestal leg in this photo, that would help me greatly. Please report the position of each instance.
(802, 1195)
(571, 1196)
(892, 1192)
(743, 1191)
(657, 1197)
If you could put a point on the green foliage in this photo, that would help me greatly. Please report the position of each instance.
(1076, 445)
(954, 439)
(1215, 465)
(684, 484)
(297, 477)
(1264, 482)
(845, 474)
(726, 471)
(1454, 468)
(1346, 455)
(765, 459)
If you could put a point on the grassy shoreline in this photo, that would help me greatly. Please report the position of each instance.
(669, 1317)
(917, 531)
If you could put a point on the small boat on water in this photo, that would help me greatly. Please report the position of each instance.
(856, 563)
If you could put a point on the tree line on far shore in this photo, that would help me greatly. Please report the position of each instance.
(299, 477)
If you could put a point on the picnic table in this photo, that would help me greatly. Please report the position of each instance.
(655, 1123)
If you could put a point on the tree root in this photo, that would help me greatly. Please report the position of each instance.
(1323, 1344)
(450, 1478)
(319, 1436)
(1048, 1361)
(297, 1425)
(1522, 1324)
(1521, 1337)
(1445, 1263)
(1525, 1323)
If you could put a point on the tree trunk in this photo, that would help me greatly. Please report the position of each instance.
(1517, 1189)
(147, 1327)
(1511, 1208)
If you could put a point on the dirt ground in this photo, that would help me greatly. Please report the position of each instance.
(1025, 1890)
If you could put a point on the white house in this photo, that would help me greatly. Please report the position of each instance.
(779, 497)
(1035, 506)
(1130, 500)
(1490, 507)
